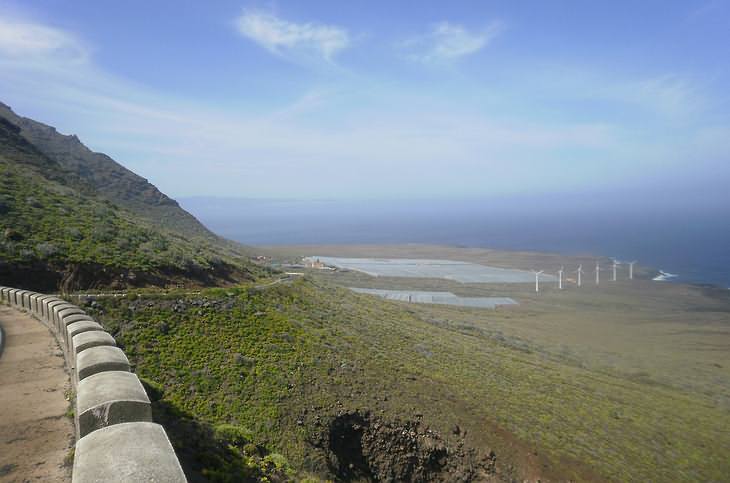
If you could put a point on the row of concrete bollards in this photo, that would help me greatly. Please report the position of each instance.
(116, 440)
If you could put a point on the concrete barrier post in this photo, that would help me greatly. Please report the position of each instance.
(99, 359)
(42, 301)
(26, 299)
(72, 330)
(126, 452)
(73, 310)
(89, 339)
(56, 320)
(111, 397)
(12, 293)
(22, 297)
(34, 303)
(48, 312)
(64, 319)
(19, 298)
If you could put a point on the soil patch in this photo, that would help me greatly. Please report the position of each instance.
(365, 447)
(36, 436)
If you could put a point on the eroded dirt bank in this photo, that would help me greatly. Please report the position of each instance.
(365, 447)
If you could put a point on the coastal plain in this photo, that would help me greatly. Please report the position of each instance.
(630, 377)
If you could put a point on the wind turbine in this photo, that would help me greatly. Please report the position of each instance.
(598, 273)
(560, 278)
(537, 280)
(579, 272)
(615, 264)
(631, 270)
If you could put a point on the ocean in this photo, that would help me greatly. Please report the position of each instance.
(688, 247)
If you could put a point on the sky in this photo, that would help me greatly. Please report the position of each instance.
(382, 99)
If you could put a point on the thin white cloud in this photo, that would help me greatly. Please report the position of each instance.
(399, 140)
(281, 36)
(26, 40)
(669, 94)
(705, 10)
(449, 41)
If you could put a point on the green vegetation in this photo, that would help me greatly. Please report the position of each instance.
(57, 226)
(108, 179)
(68, 460)
(270, 368)
(55, 230)
(663, 334)
(266, 382)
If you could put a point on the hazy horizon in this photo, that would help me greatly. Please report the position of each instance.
(376, 100)
(499, 122)
(689, 244)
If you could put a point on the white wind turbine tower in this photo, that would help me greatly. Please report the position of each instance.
(560, 278)
(631, 270)
(579, 272)
(615, 264)
(537, 280)
(598, 273)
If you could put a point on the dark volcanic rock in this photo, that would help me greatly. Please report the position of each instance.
(362, 446)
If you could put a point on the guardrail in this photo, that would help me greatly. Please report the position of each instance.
(116, 440)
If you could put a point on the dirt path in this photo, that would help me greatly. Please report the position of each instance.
(35, 433)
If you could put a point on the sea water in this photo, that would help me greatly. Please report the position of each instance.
(686, 246)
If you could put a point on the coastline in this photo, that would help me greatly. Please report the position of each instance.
(484, 255)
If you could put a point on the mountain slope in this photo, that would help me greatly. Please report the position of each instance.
(57, 230)
(110, 179)
(352, 388)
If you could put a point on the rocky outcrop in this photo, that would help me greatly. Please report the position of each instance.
(362, 446)
(108, 178)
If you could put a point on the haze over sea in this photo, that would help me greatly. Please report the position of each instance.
(693, 244)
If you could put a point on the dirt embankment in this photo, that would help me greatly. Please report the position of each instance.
(364, 447)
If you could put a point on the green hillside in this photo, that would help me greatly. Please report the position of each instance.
(110, 180)
(57, 231)
(350, 387)
(289, 379)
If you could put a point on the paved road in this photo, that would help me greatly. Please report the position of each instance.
(35, 433)
(288, 278)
